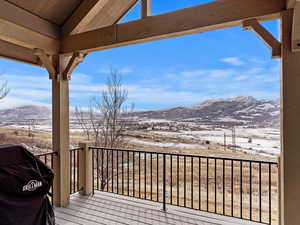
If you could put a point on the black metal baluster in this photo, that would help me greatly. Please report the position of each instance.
(178, 181)
(122, 172)
(145, 175)
(192, 183)
(112, 170)
(184, 180)
(241, 189)
(74, 172)
(93, 171)
(232, 189)
(259, 192)
(117, 171)
(270, 197)
(97, 169)
(102, 172)
(215, 185)
(223, 187)
(207, 185)
(71, 172)
(128, 173)
(151, 155)
(139, 174)
(107, 181)
(250, 183)
(157, 177)
(200, 164)
(78, 169)
(171, 174)
(164, 182)
(133, 153)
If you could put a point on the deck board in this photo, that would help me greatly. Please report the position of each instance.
(107, 208)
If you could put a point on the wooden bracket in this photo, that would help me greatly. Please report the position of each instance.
(46, 62)
(264, 35)
(296, 28)
(76, 58)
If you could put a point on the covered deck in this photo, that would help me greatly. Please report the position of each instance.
(108, 208)
(57, 35)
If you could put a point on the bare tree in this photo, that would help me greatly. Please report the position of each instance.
(104, 122)
(83, 121)
(4, 90)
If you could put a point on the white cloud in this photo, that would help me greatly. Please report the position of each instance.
(214, 73)
(123, 70)
(11, 102)
(235, 61)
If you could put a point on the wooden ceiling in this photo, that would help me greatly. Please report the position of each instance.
(55, 11)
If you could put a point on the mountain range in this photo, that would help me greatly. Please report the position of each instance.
(240, 110)
(243, 110)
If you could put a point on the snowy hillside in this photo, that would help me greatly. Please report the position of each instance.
(240, 110)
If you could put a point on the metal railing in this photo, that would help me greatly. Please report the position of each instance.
(240, 188)
(48, 159)
(74, 170)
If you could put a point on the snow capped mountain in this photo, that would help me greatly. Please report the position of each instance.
(240, 110)
(243, 110)
(25, 113)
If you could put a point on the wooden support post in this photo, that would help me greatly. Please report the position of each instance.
(85, 169)
(264, 35)
(290, 126)
(296, 28)
(60, 132)
(146, 8)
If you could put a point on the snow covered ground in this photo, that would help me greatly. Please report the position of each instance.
(264, 141)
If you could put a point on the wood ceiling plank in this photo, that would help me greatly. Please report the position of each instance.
(14, 14)
(55, 11)
(201, 18)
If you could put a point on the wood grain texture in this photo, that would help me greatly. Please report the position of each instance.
(202, 18)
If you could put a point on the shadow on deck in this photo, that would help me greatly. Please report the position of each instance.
(107, 208)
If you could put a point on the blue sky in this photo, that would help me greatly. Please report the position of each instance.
(179, 71)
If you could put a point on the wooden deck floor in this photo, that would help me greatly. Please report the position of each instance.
(106, 208)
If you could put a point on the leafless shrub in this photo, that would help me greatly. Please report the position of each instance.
(4, 90)
(104, 123)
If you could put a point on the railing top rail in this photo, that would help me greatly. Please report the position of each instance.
(76, 149)
(188, 155)
(47, 153)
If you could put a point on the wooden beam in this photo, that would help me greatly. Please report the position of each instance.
(17, 53)
(146, 8)
(296, 28)
(11, 13)
(202, 18)
(76, 58)
(27, 38)
(264, 35)
(111, 13)
(83, 15)
(47, 62)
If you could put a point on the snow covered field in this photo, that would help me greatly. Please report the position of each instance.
(256, 141)
(263, 141)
